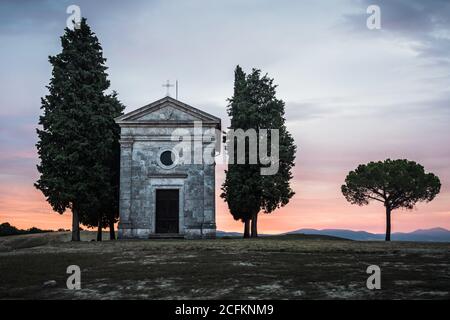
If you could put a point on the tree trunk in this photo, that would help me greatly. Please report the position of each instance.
(247, 229)
(99, 230)
(112, 233)
(388, 223)
(75, 226)
(255, 226)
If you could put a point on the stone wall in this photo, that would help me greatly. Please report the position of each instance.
(142, 175)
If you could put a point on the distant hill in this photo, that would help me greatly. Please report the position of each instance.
(303, 236)
(424, 235)
(8, 230)
(290, 236)
(226, 234)
(434, 234)
(341, 233)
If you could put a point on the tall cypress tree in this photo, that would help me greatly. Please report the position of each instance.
(241, 185)
(77, 130)
(254, 106)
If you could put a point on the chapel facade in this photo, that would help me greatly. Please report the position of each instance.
(167, 171)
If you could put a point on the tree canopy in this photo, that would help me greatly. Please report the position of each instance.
(395, 183)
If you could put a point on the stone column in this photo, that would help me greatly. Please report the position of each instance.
(209, 220)
(126, 154)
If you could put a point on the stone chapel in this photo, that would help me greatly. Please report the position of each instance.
(164, 192)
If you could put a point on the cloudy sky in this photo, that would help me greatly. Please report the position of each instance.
(352, 94)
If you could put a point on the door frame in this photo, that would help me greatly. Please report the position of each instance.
(158, 184)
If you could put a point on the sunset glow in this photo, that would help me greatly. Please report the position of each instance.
(352, 95)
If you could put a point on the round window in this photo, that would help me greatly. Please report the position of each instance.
(167, 158)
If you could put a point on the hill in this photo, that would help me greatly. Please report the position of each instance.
(425, 235)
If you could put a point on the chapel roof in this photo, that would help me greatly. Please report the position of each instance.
(167, 111)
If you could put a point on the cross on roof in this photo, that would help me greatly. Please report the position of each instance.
(168, 86)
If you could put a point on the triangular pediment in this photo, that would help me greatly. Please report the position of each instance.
(166, 110)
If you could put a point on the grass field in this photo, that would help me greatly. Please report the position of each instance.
(289, 267)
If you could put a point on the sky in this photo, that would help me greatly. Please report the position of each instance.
(352, 95)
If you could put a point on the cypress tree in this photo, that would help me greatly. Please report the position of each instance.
(254, 106)
(77, 129)
(240, 188)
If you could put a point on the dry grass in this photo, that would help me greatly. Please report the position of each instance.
(278, 268)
